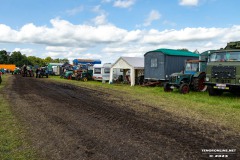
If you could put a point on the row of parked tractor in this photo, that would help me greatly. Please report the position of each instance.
(28, 71)
(215, 71)
(83, 71)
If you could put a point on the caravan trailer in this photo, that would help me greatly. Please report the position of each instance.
(102, 73)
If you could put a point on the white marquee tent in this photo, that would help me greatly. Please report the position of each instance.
(134, 64)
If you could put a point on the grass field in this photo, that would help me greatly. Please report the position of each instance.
(199, 106)
(221, 110)
(12, 142)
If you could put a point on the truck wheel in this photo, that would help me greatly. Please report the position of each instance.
(184, 88)
(198, 83)
(214, 92)
(78, 77)
(167, 88)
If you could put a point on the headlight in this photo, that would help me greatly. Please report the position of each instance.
(166, 76)
(239, 80)
(207, 79)
(178, 77)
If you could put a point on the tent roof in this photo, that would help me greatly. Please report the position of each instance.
(136, 62)
(173, 52)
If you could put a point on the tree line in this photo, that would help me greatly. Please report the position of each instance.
(20, 59)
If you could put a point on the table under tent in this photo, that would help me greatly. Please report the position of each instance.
(132, 67)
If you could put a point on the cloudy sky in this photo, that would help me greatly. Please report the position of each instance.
(108, 29)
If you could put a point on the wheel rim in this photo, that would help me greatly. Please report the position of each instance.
(185, 89)
(85, 79)
(201, 85)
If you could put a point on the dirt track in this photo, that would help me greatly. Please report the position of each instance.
(68, 122)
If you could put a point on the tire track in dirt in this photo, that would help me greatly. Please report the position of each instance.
(69, 122)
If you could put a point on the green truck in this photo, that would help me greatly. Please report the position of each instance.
(223, 70)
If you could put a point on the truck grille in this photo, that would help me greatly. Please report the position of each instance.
(223, 81)
(224, 72)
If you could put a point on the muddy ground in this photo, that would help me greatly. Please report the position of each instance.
(74, 123)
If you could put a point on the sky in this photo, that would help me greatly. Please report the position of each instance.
(108, 29)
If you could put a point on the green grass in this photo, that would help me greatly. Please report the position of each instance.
(221, 110)
(12, 143)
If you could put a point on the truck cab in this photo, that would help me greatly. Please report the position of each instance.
(223, 70)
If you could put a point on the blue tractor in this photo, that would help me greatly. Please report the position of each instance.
(193, 77)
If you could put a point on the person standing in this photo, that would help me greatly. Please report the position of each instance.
(0, 77)
(38, 73)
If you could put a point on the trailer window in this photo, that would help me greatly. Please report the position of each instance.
(97, 70)
(106, 70)
(154, 62)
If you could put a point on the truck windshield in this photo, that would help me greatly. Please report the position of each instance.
(191, 67)
(224, 56)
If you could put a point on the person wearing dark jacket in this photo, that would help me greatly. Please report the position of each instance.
(37, 73)
(0, 77)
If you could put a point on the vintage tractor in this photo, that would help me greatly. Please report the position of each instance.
(27, 71)
(42, 72)
(68, 74)
(84, 72)
(16, 71)
(192, 77)
(84, 69)
(223, 70)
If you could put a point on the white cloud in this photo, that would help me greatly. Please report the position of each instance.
(166, 22)
(98, 9)
(209, 44)
(188, 2)
(100, 20)
(66, 40)
(64, 52)
(124, 3)
(91, 56)
(26, 51)
(64, 49)
(153, 15)
(74, 11)
(7, 34)
(106, 1)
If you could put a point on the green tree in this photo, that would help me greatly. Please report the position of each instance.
(36, 61)
(18, 59)
(48, 60)
(64, 60)
(57, 60)
(4, 57)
